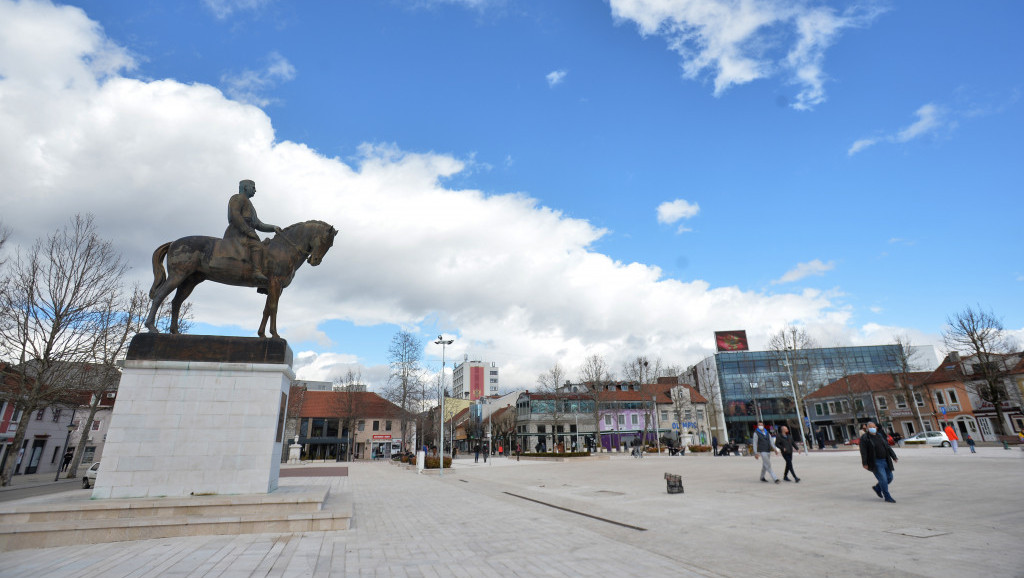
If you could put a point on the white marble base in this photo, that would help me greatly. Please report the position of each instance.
(194, 428)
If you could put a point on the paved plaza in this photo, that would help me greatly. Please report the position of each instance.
(956, 515)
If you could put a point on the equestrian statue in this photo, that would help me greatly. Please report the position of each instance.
(240, 258)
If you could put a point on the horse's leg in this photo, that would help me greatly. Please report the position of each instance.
(270, 309)
(275, 296)
(161, 293)
(184, 290)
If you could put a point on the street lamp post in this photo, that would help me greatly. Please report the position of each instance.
(796, 402)
(440, 396)
(67, 440)
(654, 414)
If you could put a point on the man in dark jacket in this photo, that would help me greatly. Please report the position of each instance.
(787, 445)
(877, 457)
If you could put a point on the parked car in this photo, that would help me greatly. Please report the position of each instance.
(932, 438)
(89, 479)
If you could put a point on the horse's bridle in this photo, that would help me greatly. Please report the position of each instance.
(305, 253)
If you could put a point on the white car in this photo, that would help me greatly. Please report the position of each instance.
(89, 479)
(932, 438)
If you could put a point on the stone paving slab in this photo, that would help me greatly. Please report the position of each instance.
(955, 515)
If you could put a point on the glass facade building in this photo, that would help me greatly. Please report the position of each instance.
(746, 386)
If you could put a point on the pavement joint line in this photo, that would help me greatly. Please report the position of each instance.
(571, 511)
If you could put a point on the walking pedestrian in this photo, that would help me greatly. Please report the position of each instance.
(951, 434)
(764, 445)
(66, 461)
(821, 439)
(877, 457)
(714, 444)
(787, 445)
(970, 443)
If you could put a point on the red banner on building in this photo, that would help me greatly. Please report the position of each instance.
(731, 340)
(381, 436)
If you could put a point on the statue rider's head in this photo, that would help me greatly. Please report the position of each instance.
(247, 188)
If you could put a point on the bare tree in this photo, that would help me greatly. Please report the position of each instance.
(405, 382)
(789, 345)
(550, 383)
(118, 319)
(640, 370)
(345, 407)
(905, 359)
(49, 316)
(981, 335)
(595, 369)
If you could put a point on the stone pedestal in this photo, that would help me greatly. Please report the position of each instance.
(197, 415)
(294, 453)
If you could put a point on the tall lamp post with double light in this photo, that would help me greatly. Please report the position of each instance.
(67, 440)
(796, 402)
(440, 397)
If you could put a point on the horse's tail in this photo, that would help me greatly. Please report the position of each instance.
(159, 275)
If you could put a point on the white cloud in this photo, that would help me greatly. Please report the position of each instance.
(815, 267)
(555, 77)
(930, 119)
(672, 211)
(158, 160)
(739, 42)
(860, 145)
(248, 86)
(224, 8)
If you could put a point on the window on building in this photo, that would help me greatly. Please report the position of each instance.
(39, 414)
(319, 424)
(881, 403)
(622, 420)
(950, 393)
(919, 399)
(387, 425)
(494, 372)
(664, 415)
(572, 428)
(634, 419)
(560, 429)
(940, 398)
(700, 415)
(858, 404)
(361, 425)
(608, 420)
(901, 401)
(89, 455)
(832, 407)
(96, 424)
(376, 425)
(541, 429)
(818, 409)
(846, 406)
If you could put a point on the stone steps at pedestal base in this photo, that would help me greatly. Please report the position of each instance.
(69, 522)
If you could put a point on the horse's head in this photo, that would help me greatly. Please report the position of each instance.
(321, 241)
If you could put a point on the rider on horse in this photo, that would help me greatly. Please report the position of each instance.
(243, 224)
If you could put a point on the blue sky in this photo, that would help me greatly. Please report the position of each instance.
(542, 180)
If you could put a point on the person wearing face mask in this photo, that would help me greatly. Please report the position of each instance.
(877, 457)
(764, 445)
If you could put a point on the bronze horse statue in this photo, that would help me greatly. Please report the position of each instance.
(192, 260)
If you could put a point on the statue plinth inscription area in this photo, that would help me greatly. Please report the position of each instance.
(197, 415)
